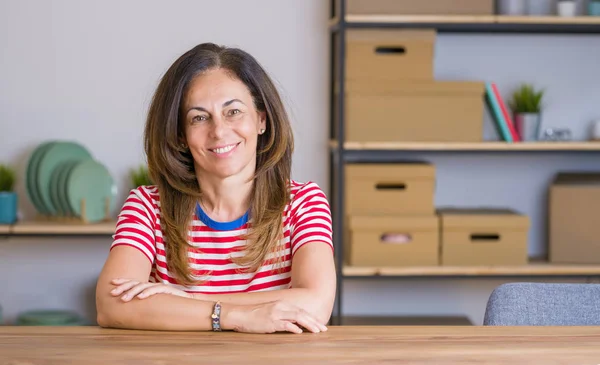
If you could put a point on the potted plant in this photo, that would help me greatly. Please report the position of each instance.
(140, 177)
(567, 8)
(8, 197)
(526, 105)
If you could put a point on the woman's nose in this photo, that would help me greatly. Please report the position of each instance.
(218, 127)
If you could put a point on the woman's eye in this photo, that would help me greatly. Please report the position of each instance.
(234, 112)
(199, 118)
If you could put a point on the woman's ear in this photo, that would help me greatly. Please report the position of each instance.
(183, 143)
(262, 122)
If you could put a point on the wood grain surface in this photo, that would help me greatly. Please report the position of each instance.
(347, 345)
(469, 146)
(56, 227)
(485, 19)
(533, 269)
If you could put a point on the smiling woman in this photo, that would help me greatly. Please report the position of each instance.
(225, 240)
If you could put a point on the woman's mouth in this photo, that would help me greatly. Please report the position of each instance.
(224, 150)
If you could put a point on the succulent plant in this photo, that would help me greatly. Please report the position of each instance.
(526, 99)
(140, 176)
(7, 178)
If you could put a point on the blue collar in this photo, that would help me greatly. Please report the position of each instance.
(220, 226)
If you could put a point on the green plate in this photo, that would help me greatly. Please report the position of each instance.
(55, 187)
(31, 176)
(91, 181)
(54, 156)
(61, 193)
(49, 318)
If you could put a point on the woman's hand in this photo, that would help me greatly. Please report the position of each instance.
(278, 316)
(131, 288)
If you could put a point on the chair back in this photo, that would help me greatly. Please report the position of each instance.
(543, 304)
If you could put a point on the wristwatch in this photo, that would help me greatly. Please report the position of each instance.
(216, 317)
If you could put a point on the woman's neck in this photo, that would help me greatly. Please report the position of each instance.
(225, 200)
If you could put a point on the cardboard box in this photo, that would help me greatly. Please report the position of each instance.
(474, 237)
(392, 241)
(389, 55)
(420, 7)
(574, 218)
(390, 189)
(436, 111)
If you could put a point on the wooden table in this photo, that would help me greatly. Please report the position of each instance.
(356, 345)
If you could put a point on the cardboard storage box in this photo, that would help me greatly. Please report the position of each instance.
(397, 189)
(437, 111)
(473, 237)
(389, 54)
(421, 7)
(392, 241)
(574, 218)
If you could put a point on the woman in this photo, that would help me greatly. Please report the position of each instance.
(225, 239)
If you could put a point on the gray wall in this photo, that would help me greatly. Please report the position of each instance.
(86, 71)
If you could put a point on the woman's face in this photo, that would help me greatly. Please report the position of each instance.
(222, 125)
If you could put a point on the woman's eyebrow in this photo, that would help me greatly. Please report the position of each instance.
(225, 104)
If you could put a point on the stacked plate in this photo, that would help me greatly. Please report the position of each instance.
(64, 180)
(49, 318)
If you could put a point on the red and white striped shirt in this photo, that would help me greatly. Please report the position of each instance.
(307, 218)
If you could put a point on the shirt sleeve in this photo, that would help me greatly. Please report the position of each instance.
(135, 224)
(310, 218)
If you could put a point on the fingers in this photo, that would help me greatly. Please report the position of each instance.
(156, 289)
(304, 319)
(136, 290)
(123, 285)
(131, 289)
(290, 327)
(119, 281)
(323, 327)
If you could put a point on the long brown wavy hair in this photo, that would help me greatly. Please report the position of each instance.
(171, 165)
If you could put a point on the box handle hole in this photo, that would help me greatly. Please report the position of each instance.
(398, 186)
(396, 238)
(485, 237)
(390, 50)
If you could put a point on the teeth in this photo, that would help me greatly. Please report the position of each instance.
(224, 149)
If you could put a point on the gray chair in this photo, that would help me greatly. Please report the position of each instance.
(543, 304)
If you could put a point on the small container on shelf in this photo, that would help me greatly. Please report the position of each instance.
(8, 196)
(390, 189)
(566, 8)
(392, 241)
(424, 111)
(389, 55)
(541, 7)
(483, 236)
(574, 211)
(421, 7)
(512, 7)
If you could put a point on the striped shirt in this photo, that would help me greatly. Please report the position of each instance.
(307, 218)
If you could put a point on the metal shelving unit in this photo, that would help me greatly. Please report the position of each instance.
(342, 151)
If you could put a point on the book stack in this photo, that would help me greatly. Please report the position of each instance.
(500, 113)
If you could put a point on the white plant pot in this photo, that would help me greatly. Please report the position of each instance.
(512, 7)
(528, 125)
(567, 8)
